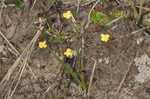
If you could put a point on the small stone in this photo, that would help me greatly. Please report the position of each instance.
(143, 68)
(139, 41)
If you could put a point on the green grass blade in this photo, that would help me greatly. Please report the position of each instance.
(17, 3)
(70, 71)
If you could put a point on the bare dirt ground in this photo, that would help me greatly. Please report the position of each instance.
(41, 75)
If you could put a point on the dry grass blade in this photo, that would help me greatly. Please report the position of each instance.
(1, 9)
(33, 4)
(140, 10)
(15, 51)
(24, 64)
(12, 47)
(91, 78)
(89, 16)
(124, 78)
(78, 6)
(23, 67)
(115, 20)
(25, 53)
(87, 2)
(147, 9)
(132, 33)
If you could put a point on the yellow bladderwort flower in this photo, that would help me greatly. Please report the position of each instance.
(42, 44)
(68, 52)
(67, 14)
(40, 19)
(105, 37)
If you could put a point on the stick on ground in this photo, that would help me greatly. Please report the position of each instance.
(91, 78)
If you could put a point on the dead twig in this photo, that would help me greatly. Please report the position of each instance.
(91, 77)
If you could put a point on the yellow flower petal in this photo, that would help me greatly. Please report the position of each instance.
(67, 14)
(105, 37)
(42, 44)
(68, 52)
(41, 19)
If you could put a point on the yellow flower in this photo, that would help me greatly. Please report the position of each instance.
(40, 19)
(68, 52)
(42, 44)
(105, 37)
(67, 14)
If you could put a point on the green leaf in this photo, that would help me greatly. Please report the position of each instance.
(146, 22)
(104, 1)
(17, 3)
(115, 13)
(99, 18)
(59, 37)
